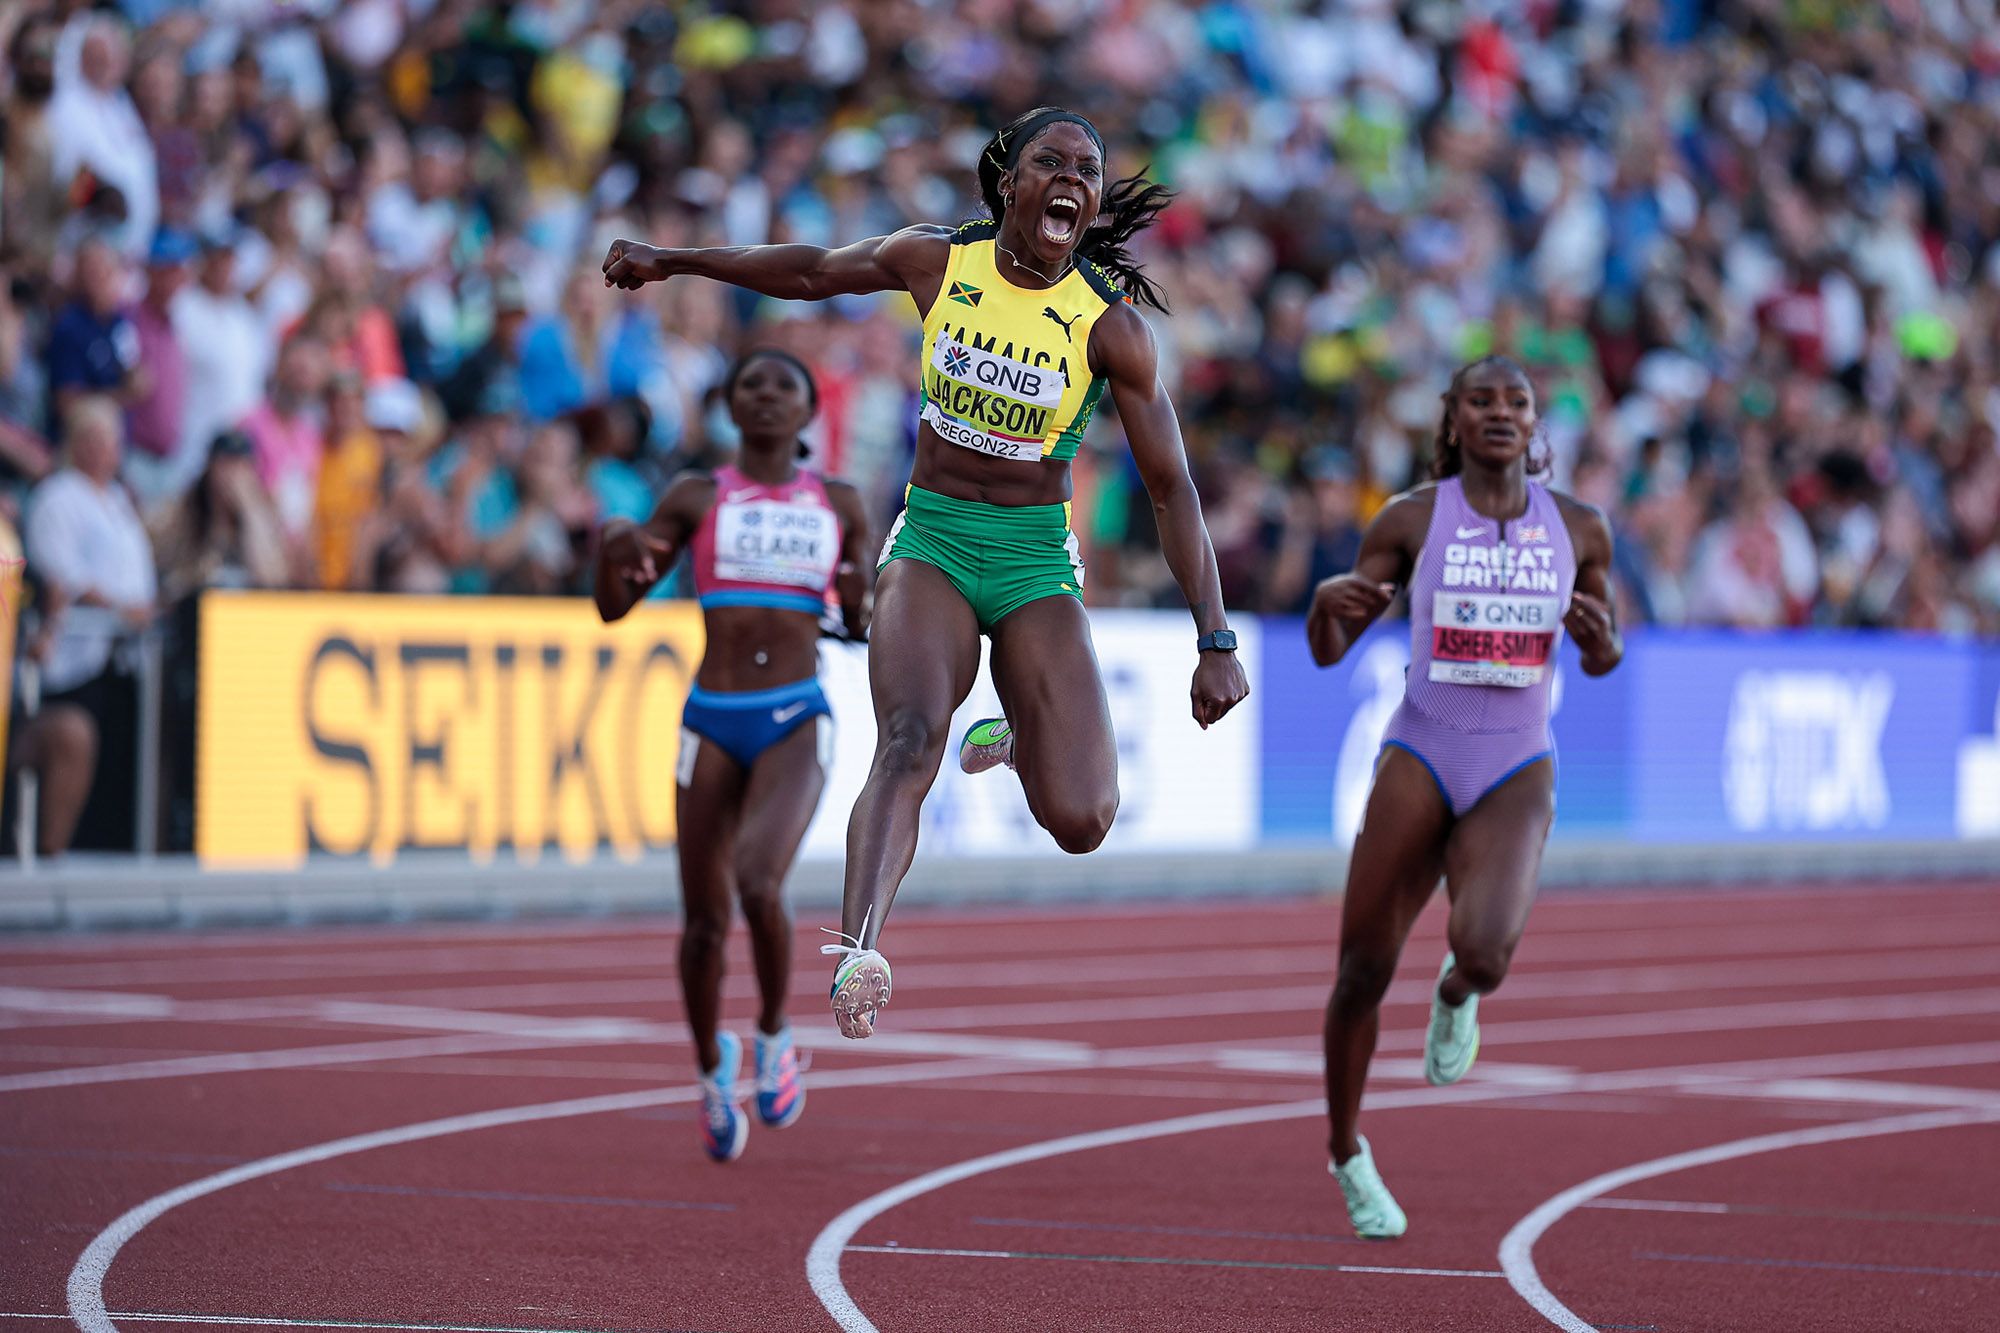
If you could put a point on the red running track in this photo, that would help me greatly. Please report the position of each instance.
(1745, 1110)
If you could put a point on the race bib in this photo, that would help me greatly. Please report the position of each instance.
(988, 403)
(1492, 639)
(770, 541)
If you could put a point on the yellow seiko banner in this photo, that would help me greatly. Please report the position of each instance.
(377, 726)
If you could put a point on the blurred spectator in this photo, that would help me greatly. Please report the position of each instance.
(85, 543)
(154, 419)
(58, 744)
(228, 354)
(564, 355)
(95, 129)
(1322, 534)
(286, 431)
(225, 532)
(24, 452)
(93, 347)
(366, 429)
(1755, 567)
(34, 199)
(490, 379)
(548, 516)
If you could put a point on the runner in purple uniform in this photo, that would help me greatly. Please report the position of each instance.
(1497, 567)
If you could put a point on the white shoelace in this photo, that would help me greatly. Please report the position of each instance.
(850, 946)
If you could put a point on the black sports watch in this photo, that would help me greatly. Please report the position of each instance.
(1217, 641)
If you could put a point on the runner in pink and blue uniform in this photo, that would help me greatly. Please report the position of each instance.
(771, 544)
(1498, 567)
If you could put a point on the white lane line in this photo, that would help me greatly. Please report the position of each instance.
(1251, 958)
(501, 1032)
(1825, 1265)
(1726, 1018)
(1769, 1210)
(1517, 1257)
(1167, 1261)
(823, 1260)
(1297, 999)
(1871, 1090)
(269, 1321)
(303, 1057)
(530, 1031)
(86, 1279)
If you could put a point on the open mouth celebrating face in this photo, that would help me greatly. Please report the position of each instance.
(1059, 218)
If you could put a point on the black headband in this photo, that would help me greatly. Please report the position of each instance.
(1025, 135)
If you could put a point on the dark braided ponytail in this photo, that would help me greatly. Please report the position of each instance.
(1446, 458)
(1127, 206)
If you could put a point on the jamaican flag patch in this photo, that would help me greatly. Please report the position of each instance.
(965, 293)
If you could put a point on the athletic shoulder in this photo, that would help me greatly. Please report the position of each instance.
(1122, 345)
(918, 247)
(1585, 521)
(1103, 283)
(1405, 520)
(1412, 506)
(968, 232)
(1573, 508)
(690, 494)
(842, 494)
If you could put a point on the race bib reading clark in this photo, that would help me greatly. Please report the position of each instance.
(770, 541)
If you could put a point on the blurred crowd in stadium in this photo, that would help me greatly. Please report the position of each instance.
(319, 280)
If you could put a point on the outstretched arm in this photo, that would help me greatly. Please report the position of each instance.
(1592, 615)
(1122, 350)
(910, 260)
(632, 557)
(1343, 607)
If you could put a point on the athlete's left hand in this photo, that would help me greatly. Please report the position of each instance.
(1219, 685)
(1589, 622)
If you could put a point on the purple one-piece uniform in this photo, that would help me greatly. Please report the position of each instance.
(1486, 610)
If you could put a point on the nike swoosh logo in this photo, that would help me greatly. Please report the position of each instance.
(784, 715)
(746, 493)
(1463, 533)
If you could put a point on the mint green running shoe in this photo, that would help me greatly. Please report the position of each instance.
(1370, 1206)
(988, 743)
(1451, 1043)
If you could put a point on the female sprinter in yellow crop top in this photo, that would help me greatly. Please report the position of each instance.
(1028, 318)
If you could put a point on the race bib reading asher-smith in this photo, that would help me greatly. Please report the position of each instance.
(1492, 639)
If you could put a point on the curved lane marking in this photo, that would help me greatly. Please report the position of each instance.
(1517, 1259)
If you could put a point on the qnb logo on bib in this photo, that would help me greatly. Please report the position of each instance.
(987, 402)
(1492, 639)
(773, 541)
(1500, 568)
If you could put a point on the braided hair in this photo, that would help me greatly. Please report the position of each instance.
(1127, 207)
(1446, 458)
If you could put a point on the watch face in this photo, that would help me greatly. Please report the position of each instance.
(1224, 639)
